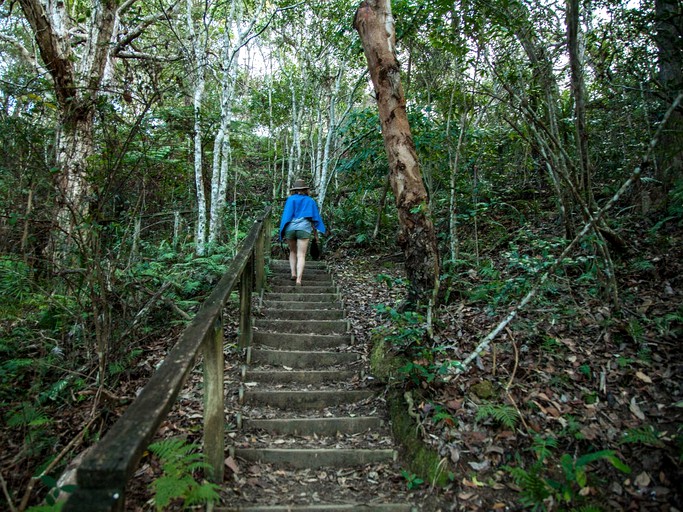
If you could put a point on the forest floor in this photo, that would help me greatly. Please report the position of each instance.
(553, 389)
(572, 405)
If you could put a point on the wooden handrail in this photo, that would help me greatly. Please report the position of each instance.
(104, 472)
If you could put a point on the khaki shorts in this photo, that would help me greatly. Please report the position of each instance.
(297, 234)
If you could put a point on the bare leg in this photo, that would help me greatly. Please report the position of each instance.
(292, 256)
(301, 247)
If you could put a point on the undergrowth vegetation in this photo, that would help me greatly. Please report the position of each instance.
(568, 398)
(66, 341)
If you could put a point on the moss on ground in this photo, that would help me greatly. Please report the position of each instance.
(383, 365)
(420, 458)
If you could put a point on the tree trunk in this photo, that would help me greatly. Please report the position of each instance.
(74, 146)
(327, 154)
(669, 38)
(76, 83)
(577, 87)
(237, 32)
(198, 82)
(375, 25)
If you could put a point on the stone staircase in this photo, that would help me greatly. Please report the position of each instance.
(307, 415)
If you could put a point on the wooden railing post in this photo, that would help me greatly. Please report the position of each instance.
(267, 227)
(259, 263)
(214, 401)
(246, 285)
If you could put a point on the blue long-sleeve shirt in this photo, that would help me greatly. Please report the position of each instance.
(300, 205)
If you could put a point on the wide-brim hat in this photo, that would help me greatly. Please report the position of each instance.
(299, 185)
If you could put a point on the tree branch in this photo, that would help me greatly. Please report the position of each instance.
(461, 367)
(54, 51)
(140, 28)
(24, 54)
(148, 56)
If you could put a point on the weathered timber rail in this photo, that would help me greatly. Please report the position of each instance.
(105, 471)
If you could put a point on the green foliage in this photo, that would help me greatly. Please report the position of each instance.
(645, 434)
(671, 324)
(123, 364)
(543, 446)
(572, 428)
(537, 486)
(505, 415)
(53, 392)
(418, 373)
(34, 423)
(179, 460)
(534, 490)
(54, 491)
(406, 331)
(390, 282)
(412, 480)
(576, 472)
(585, 369)
(15, 281)
(636, 330)
(441, 414)
(623, 362)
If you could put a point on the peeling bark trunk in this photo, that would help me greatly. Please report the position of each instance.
(375, 25)
(237, 32)
(327, 154)
(199, 82)
(76, 82)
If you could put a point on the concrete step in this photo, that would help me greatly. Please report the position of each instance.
(299, 359)
(284, 264)
(312, 266)
(301, 400)
(315, 458)
(309, 305)
(301, 314)
(311, 279)
(284, 271)
(291, 288)
(317, 426)
(299, 342)
(302, 326)
(330, 507)
(314, 273)
(299, 376)
(301, 296)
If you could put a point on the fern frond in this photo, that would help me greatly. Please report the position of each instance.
(54, 391)
(542, 447)
(167, 488)
(533, 488)
(202, 494)
(170, 449)
(26, 415)
(178, 461)
(506, 415)
(646, 435)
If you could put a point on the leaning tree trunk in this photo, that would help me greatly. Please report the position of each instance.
(375, 25)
